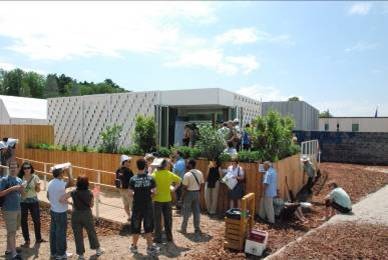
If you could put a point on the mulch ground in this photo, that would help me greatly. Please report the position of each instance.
(357, 180)
(342, 241)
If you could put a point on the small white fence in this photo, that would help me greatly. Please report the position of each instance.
(311, 149)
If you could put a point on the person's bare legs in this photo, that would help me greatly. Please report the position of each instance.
(135, 239)
(231, 204)
(239, 204)
(148, 237)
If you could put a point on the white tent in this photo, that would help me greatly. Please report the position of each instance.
(22, 110)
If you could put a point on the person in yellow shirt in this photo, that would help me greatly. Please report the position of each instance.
(164, 180)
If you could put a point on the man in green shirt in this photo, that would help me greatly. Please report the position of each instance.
(337, 199)
(164, 180)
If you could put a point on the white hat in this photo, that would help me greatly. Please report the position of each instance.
(11, 142)
(124, 158)
(236, 120)
(157, 162)
(149, 156)
(305, 158)
(2, 145)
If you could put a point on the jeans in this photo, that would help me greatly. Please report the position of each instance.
(165, 209)
(33, 207)
(191, 205)
(58, 229)
(83, 219)
(178, 193)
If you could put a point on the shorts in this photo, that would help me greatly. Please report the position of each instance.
(126, 197)
(12, 220)
(337, 206)
(144, 215)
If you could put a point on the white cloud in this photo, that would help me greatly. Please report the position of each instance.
(361, 8)
(9, 66)
(250, 35)
(263, 93)
(216, 60)
(64, 30)
(362, 46)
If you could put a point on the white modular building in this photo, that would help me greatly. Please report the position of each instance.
(354, 124)
(23, 111)
(80, 120)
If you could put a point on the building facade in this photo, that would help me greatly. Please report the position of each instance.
(305, 116)
(23, 111)
(354, 124)
(80, 120)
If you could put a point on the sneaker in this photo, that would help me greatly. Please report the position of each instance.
(153, 250)
(17, 257)
(81, 257)
(65, 256)
(133, 249)
(26, 244)
(100, 251)
(182, 231)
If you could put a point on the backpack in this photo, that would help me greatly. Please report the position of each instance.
(2, 198)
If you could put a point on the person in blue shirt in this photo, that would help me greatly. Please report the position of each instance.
(11, 188)
(270, 184)
(179, 168)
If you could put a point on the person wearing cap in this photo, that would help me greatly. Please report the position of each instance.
(11, 189)
(123, 175)
(337, 200)
(164, 180)
(58, 211)
(267, 211)
(309, 170)
(149, 158)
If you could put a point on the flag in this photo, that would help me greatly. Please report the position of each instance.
(376, 112)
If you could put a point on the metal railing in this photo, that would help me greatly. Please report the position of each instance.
(311, 149)
(97, 185)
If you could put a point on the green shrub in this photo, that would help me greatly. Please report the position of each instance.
(145, 133)
(74, 148)
(164, 151)
(224, 157)
(188, 152)
(250, 156)
(135, 150)
(110, 138)
(210, 143)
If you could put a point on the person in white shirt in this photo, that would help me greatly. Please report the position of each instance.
(58, 211)
(337, 200)
(192, 185)
(237, 193)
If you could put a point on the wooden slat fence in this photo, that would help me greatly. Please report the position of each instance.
(290, 167)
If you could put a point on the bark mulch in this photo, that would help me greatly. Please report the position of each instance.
(342, 241)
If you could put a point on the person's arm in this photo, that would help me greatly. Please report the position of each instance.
(37, 184)
(64, 198)
(11, 189)
(70, 181)
(242, 175)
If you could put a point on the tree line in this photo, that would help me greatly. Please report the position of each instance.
(21, 83)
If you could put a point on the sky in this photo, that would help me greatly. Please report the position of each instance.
(333, 55)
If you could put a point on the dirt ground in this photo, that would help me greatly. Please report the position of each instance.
(356, 179)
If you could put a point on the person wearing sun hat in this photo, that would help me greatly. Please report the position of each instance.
(309, 170)
(123, 175)
(149, 158)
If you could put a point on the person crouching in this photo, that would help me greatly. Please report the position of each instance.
(337, 200)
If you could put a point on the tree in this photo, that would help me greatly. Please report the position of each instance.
(145, 133)
(51, 88)
(294, 99)
(110, 139)
(210, 142)
(325, 113)
(12, 82)
(63, 80)
(35, 83)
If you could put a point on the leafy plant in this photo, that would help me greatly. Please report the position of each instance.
(164, 151)
(210, 143)
(145, 133)
(135, 150)
(250, 156)
(224, 157)
(188, 152)
(110, 138)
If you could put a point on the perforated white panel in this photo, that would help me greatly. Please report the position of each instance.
(80, 120)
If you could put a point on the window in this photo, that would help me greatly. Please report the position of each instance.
(355, 127)
(326, 126)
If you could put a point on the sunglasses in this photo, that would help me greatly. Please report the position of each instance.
(26, 168)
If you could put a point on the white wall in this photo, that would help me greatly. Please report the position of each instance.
(366, 124)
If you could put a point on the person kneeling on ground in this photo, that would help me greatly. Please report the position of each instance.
(337, 200)
(285, 210)
(82, 217)
(142, 186)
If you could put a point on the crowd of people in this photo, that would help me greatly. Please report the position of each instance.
(149, 194)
